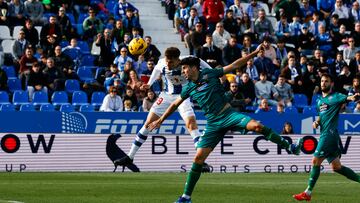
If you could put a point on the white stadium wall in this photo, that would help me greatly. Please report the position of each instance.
(167, 153)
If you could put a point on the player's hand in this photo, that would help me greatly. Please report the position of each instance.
(153, 125)
(315, 124)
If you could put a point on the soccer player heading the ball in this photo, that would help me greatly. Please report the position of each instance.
(328, 107)
(205, 88)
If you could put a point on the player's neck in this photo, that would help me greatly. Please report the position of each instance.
(195, 76)
(325, 94)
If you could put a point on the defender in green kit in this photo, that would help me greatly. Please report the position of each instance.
(328, 107)
(205, 88)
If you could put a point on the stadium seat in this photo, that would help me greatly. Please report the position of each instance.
(85, 74)
(84, 47)
(47, 107)
(314, 98)
(291, 110)
(272, 20)
(40, 98)
(10, 71)
(87, 108)
(97, 99)
(4, 98)
(47, 16)
(72, 19)
(99, 74)
(79, 98)
(5, 32)
(59, 98)
(72, 85)
(38, 28)
(7, 107)
(309, 110)
(20, 97)
(300, 100)
(72, 53)
(82, 17)
(67, 108)
(7, 45)
(16, 31)
(110, 5)
(14, 84)
(27, 107)
(266, 8)
(63, 43)
(87, 60)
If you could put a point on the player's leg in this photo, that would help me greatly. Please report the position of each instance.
(194, 174)
(343, 170)
(187, 113)
(314, 175)
(269, 134)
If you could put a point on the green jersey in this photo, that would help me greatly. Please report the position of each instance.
(329, 108)
(207, 91)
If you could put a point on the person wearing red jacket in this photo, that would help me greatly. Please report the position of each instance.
(213, 11)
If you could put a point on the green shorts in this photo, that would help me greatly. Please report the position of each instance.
(216, 128)
(328, 147)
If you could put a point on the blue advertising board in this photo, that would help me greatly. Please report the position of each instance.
(130, 123)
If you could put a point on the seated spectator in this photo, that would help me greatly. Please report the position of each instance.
(126, 41)
(51, 29)
(117, 33)
(349, 52)
(220, 36)
(62, 61)
(340, 40)
(289, 8)
(120, 9)
(140, 65)
(130, 20)
(149, 100)
(135, 84)
(338, 65)
(104, 42)
(334, 26)
(125, 74)
(111, 75)
(231, 51)
(129, 95)
(354, 14)
(56, 77)
(236, 98)
(263, 106)
(237, 9)
(265, 90)
(231, 23)
(311, 81)
(122, 59)
(67, 30)
(195, 40)
(285, 91)
(246, 45)
(127, 106)
(319, 61)
(31, 33)
(270, 51)
(324, 40)
(19, 47)
(91, 26)
(251, 70)
(17, 13)
(182, 13)
(3, 80)
(263, 26)
(112, 102)
(307, 11)
(26, 62)
(213, 12)
(287, 129)
(264, 64)
(343, 82)
(295, 29)
(246, 27)
(280, 108)
(355, 88)
(247, 87)
(152, 52)
(150, 65)
(211, 53)
(49, 45)
(354, 65)
(73, 51)
(253, 10)
(281, 51)
(342, 11)
(37, 81)
(357, 107)
(314, 23)
(35, 10)
(283, 29)
(306, 41)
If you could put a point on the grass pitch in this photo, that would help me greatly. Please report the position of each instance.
(166, 187)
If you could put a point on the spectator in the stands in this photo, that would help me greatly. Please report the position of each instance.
(270, 51)
(354, 15)
(182, 14)
(295, 29)
(122, 59)
(220, 36)
(306, 41)
(111, 75)
(19, 47)
(263, 106)
(280, 108)
(112, 102)
(319, 60)
(91, 26)
(338, 65)
(120, 9)
(355, 88)
(247, 45)
(265, 89)
(140, 65)
(341, 38)
(251, 70)
(49, 45)
(354, 65)
(314, 24)
(285, 91)
(264, 64)
(104, 42)
(281, 51)
(325, 7)
(344, 81)
(3, 80)
(4, 13)
(253, 10)
(282, 29)
(231, 23)
(311, 81)
(357, 107)
(135, 84)
(247, 87)
(334, 26)
(213, 11)
(195, 39)
(126, 41)
(307, 11)
(130, 20)
(231, 51)
(236, 97)
(288, 8)
(356, 34)
(149, 100)
(62, 61)
(130, 95)
(17, 13)
(125, 74)
(211, 53)
(37, 81)
(263, 26)
(246, 27)
(349, 52)
(51, 28)
(31, 33)
(324, 40)
(56, 77)
(342, 11)
(128, 105)
(152, 52)
(150, 65)
(73, 51)
(287, 129)
(26, 63)
(64, 22)
(34, 10)
(117, 34)
(292, 74)
(238, 10)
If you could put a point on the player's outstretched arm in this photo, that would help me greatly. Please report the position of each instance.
(173, 106)
(241, 61)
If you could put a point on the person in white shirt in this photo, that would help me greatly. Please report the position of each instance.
(220, 36)
(112, 102)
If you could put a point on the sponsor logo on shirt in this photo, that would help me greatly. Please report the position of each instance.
(324, 107)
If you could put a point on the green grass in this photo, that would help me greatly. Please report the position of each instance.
(166, 187)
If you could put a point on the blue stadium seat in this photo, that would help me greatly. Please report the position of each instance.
(300, 100)
(71, 18)
(85, 74)
(72, 85)
(40, 98)
(314, 98)
(84, 47)
(98, 73)
(27, 107)
(7, 107)
(110, 5)
(4, 97)
(14, 84)
(72, 53)
(82, 17)
(79, 98)
(309, 110)
(59, 97)
(47, 16)
(87, 60)
(97, 99)
(10, 71)
(20, 97)
(291, 110)
(47, 107)
(64, 43)
(67, 108)
(87, 108)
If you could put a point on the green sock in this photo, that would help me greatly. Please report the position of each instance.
(192, 178)
(349, 173)
(314, 175)
(274, 137)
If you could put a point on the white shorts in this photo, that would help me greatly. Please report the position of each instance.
(163, 102)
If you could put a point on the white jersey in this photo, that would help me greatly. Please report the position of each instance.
(173, 80)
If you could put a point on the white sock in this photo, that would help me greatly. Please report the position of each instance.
(308, 192)
(138, 141)
(195, 134)
(185, 196)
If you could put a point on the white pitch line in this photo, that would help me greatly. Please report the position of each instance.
(9, 201)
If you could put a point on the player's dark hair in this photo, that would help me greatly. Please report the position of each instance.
(172, 52)
(326, 75)
(191, 61)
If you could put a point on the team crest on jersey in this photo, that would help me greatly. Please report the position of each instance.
(324, 107)
(205, 77)
(201, 87)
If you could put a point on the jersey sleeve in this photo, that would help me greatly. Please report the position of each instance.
(341, 98)
(156, 72)
(185, 92)
(218, 72)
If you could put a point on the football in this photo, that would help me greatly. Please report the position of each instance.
(137, 46)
